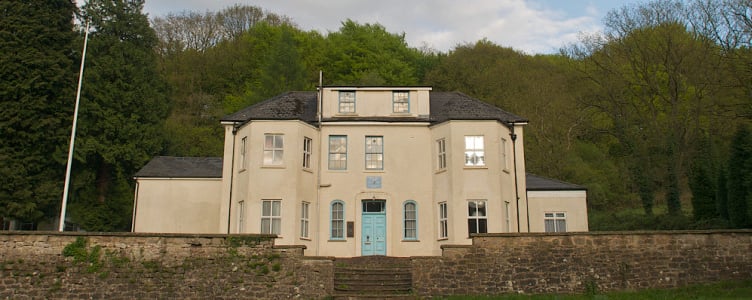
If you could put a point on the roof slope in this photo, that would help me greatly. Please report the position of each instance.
(538, 183)
(458, 106)
(182, 167)
(287, 106)
(444, 106)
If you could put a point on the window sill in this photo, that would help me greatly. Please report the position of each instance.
(401, 114)
(273, 167)
(242, 170)
(308, 170)
(440, 171)
(442, 239)
(507, 171)
(337, 241)
(476, 167)
(341, 114)
(411, 241)
(305, 239)
(374, 171)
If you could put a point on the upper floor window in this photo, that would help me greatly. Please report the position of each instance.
(307, 146)
(476, 217)
(441, 149)
(374, 153)
(347, 101)
(273, 149)
(271, 216)
(555, 222)
(401, 102)
(504, 162)
(410, 221)
(337, 217)
(474, 155)
(337, 152)
(443, 216)
(243, 145)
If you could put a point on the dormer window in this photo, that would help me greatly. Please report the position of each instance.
(401, 102)
(347, 102)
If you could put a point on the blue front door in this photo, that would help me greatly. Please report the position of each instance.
(373, 239)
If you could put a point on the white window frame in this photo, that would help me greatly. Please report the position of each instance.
(374, 156)
(477, 216)
(443, 221)
(341, 162)
(274, 144)
(271, 218)
(307, 151)
(504, 158)
(337, 221)
(347, 102)
(243, 148)
(474, 151)
(401, 102)
(304, 221)
(241, 216)
(410, 222)
(441, 156)
(555, 221)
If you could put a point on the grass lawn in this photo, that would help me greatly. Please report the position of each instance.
(722, 290)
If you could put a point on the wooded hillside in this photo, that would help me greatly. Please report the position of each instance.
(652, 115)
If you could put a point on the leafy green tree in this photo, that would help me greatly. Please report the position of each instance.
(368, 55)
(37, 91)
(740, 178)
(656, 87)
(702, 181)
(123, 106)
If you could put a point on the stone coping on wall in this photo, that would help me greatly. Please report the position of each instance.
(597, 233)
(137, 234)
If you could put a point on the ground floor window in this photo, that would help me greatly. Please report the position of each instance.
(555, 222)
(443, 228)
(241, 216)
(271, 218)
(337, 216)
(304, 219)
(410, 219)
(476, 217)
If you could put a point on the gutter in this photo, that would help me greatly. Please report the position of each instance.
(232, 175)
(513, 136)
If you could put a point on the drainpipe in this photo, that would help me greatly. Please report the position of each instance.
(232, 175)
(319, 112)
(513, 136)
(135, 206)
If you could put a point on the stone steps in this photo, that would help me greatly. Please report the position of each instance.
(372, 277)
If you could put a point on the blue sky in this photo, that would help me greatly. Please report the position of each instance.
(532, 26)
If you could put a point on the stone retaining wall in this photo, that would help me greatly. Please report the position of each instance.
(157, 266)
(584, 262)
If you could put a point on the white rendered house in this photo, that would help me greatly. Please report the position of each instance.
(351, 171)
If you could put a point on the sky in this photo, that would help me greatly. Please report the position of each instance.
(531, 26)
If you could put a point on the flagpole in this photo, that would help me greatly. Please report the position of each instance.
(73, 134)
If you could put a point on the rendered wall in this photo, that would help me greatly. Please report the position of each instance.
(572, 203)
(175, 205)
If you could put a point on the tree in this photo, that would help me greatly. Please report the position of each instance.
(702, 181)
(123, 106)
(740, 178)
(656, 87)
(37, 81)
(368, 55)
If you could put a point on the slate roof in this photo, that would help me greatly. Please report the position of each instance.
(444, 106)
(182, 167)
(538, 183)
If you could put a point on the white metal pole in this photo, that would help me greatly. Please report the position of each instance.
(73, 134)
